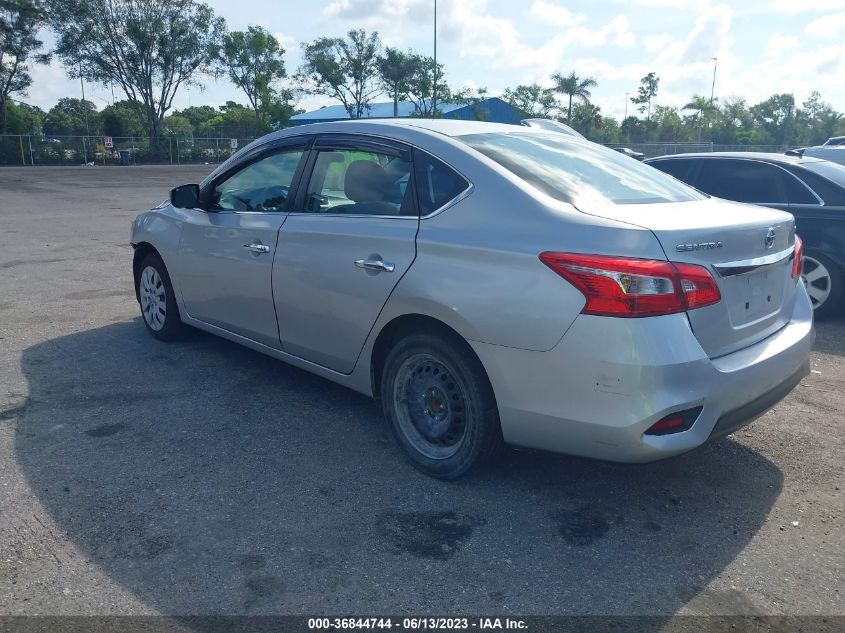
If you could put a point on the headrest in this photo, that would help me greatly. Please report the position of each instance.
(366, 181)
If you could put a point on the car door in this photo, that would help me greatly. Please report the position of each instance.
(343, 249)
(226, 249)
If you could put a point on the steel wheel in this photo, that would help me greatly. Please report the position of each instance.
(817, 281)
(430, 407)
(153, 298)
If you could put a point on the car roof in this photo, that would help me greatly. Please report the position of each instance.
(446, 127)
(769, 157)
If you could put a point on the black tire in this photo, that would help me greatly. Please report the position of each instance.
(453, 425)
(169, 327)
(832, 305)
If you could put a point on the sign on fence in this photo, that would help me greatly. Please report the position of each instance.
(233, 143)
(107, 142)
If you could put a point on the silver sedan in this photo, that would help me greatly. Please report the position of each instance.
(488, 285)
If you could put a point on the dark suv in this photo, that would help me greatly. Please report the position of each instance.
(813, 190)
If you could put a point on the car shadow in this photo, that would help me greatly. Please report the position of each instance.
(210, 479)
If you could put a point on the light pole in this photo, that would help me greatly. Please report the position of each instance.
(434, 72)
(713, 86)
(85, 112)
(626, 107)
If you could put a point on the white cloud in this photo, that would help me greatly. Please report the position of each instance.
(794, 7)
(779, 44)
(654, 43)
(828, 26)
(665, 4)
(554, 14)
(287, 42)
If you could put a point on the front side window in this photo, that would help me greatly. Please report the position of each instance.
(260, 186)
(577, 171)
(360, 182)
(437, 183)
(742, 181)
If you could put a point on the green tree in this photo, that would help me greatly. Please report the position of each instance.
(345, 69)
(607, 131)
(574, 87)
(149, 48)
(645, 93)
(421, 87)
(198, 115)
(735, 125)
(234, 121)
(586, 117)
(72, 117)
(816, 121)
(254, 61)
(176, 126)
(532, 100)
(23, 118)
(668, 126)
(121, 119)
(774, 118)
(282, 107)
(704, 107)
(20, 21)
(396, 69)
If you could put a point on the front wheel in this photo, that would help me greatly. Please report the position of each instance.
(823, 281)
(157, 301)
(440, 406)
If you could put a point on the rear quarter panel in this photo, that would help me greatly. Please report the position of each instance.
(477, 266)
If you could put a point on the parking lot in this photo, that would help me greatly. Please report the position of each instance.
(138, 477)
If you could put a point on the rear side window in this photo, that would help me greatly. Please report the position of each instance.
(796, 192)
(437, 183)
(742, 181)
(826, 179)
(677, 167)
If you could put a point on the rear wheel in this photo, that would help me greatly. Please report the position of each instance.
(823, 281)
(440, 406)
(158, 303)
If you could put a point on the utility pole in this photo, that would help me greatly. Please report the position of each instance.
(626, 107)
(713, 86)
(85, 112)
(434, 88)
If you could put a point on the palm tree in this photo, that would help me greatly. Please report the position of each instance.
(575, 87)
(702, 105)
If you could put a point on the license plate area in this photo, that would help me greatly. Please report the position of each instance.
(755, 295)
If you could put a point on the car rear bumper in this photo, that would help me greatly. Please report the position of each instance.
(608, 380)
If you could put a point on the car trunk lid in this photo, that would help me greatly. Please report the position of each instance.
(749, 252)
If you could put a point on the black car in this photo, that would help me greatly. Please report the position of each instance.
(813, 190)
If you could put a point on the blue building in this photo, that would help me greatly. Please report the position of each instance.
(491, 109)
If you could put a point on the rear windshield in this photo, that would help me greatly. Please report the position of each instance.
(579, 172)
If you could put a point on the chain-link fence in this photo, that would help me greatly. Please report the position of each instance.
(661, 149)
(23, 149)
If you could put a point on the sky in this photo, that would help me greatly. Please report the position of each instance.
(762, 46)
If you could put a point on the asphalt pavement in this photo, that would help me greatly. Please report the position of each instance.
(138, 477)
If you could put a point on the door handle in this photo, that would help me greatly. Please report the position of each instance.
(375, 264)
(257, 248)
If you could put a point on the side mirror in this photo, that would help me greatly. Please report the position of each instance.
(185, 196)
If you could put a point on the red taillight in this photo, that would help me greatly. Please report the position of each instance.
(798, 258)
(628, 287)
